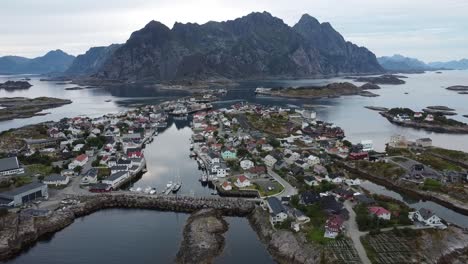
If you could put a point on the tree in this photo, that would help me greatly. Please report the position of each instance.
(241, 152)
(78, 169)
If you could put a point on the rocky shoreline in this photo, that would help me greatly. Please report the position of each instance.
(22, 107)
(202, 238)
(285, 246)
(21, 230)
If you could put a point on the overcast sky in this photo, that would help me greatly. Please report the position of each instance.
(427, 29)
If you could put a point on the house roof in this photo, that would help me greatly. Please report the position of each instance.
(377, 210)
(22, 189)
(9, 164)
(115, 176)
(309, 197)
(55, 177)
(426, 213)
(330, 204)
(242, 178)
(93, 172)
(275, 205)
(81, 157)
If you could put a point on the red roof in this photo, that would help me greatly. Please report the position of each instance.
(257, 169)
(377, 210)
(226, 184)
(334, 223)
(242, 178)
(81, 157)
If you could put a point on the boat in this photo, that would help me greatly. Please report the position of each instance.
(153, 191)
(204, 177)
(169, 187)
(138, 189)
(147, 190)
(193, 154)
(132, 189)
(108, 100)
(176, 187)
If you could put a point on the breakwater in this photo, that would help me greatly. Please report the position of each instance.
(22, 229)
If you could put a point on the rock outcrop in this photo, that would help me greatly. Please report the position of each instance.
(202, 238)
(91, 61)
(52, 62)
(15, 85)
(255, 46)
(284, 246)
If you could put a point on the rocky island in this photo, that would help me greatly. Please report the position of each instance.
(382, 79)
(435, 122)
(15, 85)
(22, 107)
(458, 88)
(315, 92)
(202, 238)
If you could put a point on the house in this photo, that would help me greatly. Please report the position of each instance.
(246, 164)
(10, 166)
(56, 179)
(424, 142)
(255, 172)
(429, 118)
(379, 212)
(100, 188)
(367, 145)
(226, 186)
(321, 170)
(313, 160)
(228, 154)
(330, 205)
(311, 181)
(333, 226)
(24, 194)
(427, 217)
(267, 147)
(242, 182)
(116, 179)
(90, 177)
(67, 172)
(363, 199)
(309, 197)
(269, 160)
(277, 211)
(118, 168)
(398, 141)
(81, 160)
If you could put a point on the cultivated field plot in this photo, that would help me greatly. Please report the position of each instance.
(389, 249)
(342, 251)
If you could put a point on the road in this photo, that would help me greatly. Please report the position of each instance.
(289, 190)
(354, 233)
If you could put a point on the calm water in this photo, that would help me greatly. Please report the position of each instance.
(168, 160)
(136, 236)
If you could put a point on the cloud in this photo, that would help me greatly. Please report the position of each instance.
(386, 27)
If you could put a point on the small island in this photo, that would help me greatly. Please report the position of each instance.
(15, 85)
(21, 107)
(382, 79)
(332, 90)
(422, 120)
(458, 88)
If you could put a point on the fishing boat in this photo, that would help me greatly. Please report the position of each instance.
(138, 189)
(153, 191)
(147, 190)
(108, 100)
(204, 177)
(169, 187)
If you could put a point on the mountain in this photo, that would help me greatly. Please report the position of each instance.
(254, 46)
(455, 65)
(91, 61)
(53, 61)
(404, 64)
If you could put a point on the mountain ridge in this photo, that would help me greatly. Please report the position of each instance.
(257, 45)
(52, 61)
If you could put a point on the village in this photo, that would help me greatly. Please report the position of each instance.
(300, 169)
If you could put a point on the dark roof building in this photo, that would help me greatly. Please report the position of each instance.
(10, 166)
(24, 194)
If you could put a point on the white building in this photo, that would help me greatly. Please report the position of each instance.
(56, 180)
(246, 164)
(367, 145)
(116, 179)
(270, 161)
(277, 211)
(427, 217)
(81, 160)
(242, 182)
(10, 166)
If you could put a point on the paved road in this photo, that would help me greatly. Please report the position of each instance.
(355, 234)
(289, 190)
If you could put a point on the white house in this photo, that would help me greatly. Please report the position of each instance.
(78, 147)
(367, 145)
(226, 186)
(116, 179)
(427, 217)
(246, 164)
(90, 177)
(267, 147)
(277, 211)
(380, 212)
(270, 161)
(56, 179)
(81, 160)
(10, 166)
(313, 160)
(242, 182)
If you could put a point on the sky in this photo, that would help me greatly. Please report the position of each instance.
(430, 30)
